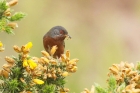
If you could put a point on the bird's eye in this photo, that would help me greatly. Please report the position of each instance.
(61, 32)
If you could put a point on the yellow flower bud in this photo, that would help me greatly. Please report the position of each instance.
(53, 62)
(7, 67)
(4, 73)
(132, 73)
(9, 60)
(54, 76)
(114, 70)
(24, 56)
(7, 12)
(28, 69)
(0, 72)
(53, 50)
(63, 58)
(74, 69)
(68, 54)
(2, 49)
(45, 60)
(65, 74)
(73, 60)
(45, 53)
(65, 90)
(13, 25)
(49, 75)
(22, 80)
(17, 49)
(12, 3)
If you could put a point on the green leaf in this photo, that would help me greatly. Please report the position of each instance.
(48, 89)
(60, 82)
(9, 30)
(121, 87)
(138, 66)
(16, 72)
(4, 27)
(3, 5)
(11, 86)
(17, 16)
(99, 89)
(112, 83)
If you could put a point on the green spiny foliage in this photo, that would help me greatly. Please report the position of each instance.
(7, 20)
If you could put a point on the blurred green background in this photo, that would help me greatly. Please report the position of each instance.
(103, 32)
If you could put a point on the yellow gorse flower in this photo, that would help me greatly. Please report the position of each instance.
(29, 63)
(1, 45)
(32, 64)
(28, 45)
(38, 81)
(26, 48)
(25, 64)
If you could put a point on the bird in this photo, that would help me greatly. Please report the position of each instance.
(56, 36)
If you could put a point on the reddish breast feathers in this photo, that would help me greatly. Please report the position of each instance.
(49, 42)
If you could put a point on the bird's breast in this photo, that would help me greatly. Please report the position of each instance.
(49, 42)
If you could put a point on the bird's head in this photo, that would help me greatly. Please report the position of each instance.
(58, 32)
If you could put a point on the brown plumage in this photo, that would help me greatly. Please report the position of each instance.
(55, 36)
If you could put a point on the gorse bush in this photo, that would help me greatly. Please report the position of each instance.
(36, 75)
(122, 78)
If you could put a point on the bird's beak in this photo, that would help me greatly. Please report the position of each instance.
(68, 36)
